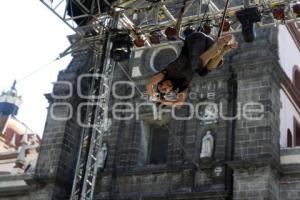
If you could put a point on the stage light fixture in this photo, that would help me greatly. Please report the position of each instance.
(296, 8)
(171, 32)
(139, 41)
(247, 18)
(121, 46)
(226, 25)
(205, 28)
(188, 31)
(278, 12)
(155, 37)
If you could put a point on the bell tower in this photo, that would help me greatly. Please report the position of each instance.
(10, 101)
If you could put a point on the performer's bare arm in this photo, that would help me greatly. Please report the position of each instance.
(177, 102)
(152, 82)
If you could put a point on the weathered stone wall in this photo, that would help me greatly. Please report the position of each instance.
(256, 184)
(290, 185)
(255, 66)
(22, 187)
(290, 176)
(61, 139)
(256, 157)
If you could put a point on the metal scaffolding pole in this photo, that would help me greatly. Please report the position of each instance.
(86, 170)
(101, 120)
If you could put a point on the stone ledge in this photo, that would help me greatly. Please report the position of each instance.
(152, 170)
(290, 151)
(13, 177)
(240, 65)
(41, 180)
(50, 177)
(289, 156)
(290, 169)
(174, 195)
(215, 194)
(14, 185)
(245, 164)
(289, 159)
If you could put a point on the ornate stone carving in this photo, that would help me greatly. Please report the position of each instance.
(208, 113)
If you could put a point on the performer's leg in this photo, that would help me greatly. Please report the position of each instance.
(216, 49)
(218, 60)
(196, 44)
(202, 48)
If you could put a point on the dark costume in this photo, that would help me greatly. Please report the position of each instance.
(181, 70)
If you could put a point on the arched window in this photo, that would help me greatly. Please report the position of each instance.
(289, 138)
(159, 145)
(296, 77)
(296, 132)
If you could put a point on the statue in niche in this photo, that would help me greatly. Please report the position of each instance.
(207, 145)
(101, 158)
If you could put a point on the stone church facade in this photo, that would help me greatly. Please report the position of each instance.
(160, 159)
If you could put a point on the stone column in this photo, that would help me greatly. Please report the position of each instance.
(256, 143)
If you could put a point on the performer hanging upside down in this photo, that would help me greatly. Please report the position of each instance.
(199, 54)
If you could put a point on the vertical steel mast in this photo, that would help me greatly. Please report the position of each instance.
(86, 169)
(96, 121)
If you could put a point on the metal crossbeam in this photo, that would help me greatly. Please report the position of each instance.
(93, 21)
(72, 11)
(59, 8)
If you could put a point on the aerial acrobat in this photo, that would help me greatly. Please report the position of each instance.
(200, 54)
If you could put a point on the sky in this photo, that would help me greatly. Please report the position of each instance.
(31, 36)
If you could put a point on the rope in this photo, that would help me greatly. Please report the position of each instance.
(37, 70)
(205, 13)
(61, 55)
(223, 18)
(179, 19)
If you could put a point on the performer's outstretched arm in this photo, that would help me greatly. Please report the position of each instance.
(152, 82)
(176, 102)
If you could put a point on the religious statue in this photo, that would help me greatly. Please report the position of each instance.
(207, 145)
(101, 158)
